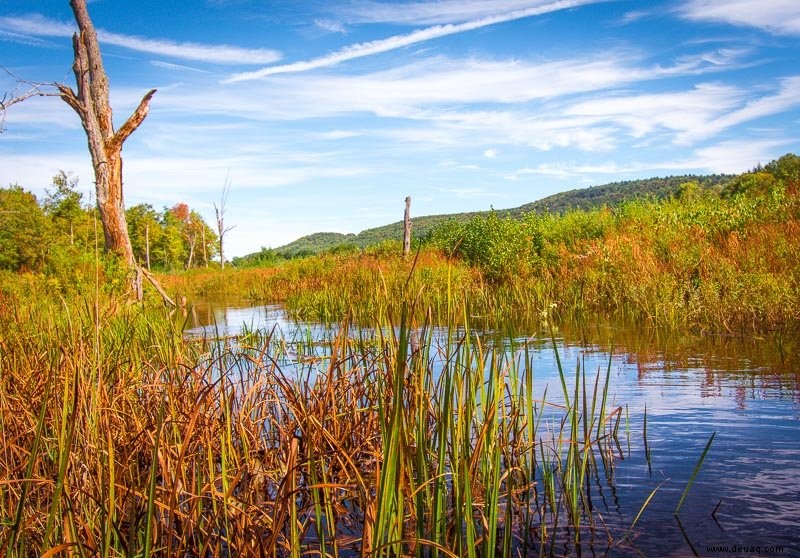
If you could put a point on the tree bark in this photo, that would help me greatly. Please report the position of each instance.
(407, 228)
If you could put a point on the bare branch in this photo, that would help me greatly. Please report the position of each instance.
(7, 102)
(23, 90)
(220, 213)
(153, 281)
(69, 97)
(133, 122)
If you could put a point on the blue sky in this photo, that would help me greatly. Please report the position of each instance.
(324, 115)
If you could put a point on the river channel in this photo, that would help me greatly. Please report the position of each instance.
(745, 501)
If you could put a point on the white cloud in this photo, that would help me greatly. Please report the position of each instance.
(735, 156)
(430, 13)
(21, 39)
(215, 54)
(491, 153)
(685, 112)
(331, 26)
(191, 174)
(634, 16)
(39, 26)
(787, 97)
(517, 174)
(521, 128)
(177, 67)
(564, 170)
(402, 91)
(474, 192)
(729, 157)
(35, 172)
(370, 48)
(776, 16)
(571, 103)
(694, 115)
(41, 112)
(337, 134)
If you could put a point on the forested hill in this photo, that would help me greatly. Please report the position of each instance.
(584, 198)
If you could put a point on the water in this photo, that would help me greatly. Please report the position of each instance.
(747, 495)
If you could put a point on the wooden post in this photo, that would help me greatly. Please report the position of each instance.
(407, 228)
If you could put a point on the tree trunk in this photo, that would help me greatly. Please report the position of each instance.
(91, 103)
(112, 207)
(191, 252)
(205, 254)
(147, 244)
(407, 228)
(221, 254)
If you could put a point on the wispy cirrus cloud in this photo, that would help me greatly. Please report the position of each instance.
(681, 112)
(430, 13)
(35, 25)
(786, 97)
(176, 67)
(331, 26)
(733, 156)
(360, 50)
(474, 192)
(412, 91)
(776, 16)
(215, 54)
(694, 115)
(589, 104)
(22, 39)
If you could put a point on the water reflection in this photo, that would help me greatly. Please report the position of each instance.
(746, 390)
(221, 318)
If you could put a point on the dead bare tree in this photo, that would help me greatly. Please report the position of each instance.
(220, 213)
(91, 104)
(90, 101)
(407, 228)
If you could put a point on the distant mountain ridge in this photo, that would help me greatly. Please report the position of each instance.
(610, 195)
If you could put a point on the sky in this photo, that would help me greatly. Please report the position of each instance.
(324, 115)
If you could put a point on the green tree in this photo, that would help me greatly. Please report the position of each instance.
(758, 183)
(63, 205)
(24, 231)
(688, 191)
(146, 231)
(169, 250)
(202, 240)
(786, 169)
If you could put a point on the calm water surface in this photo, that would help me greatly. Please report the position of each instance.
(745, 390)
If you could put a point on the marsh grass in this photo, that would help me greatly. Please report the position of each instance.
(711, 262)
(122, 438)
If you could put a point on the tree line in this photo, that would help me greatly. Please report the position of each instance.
(51, 234)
